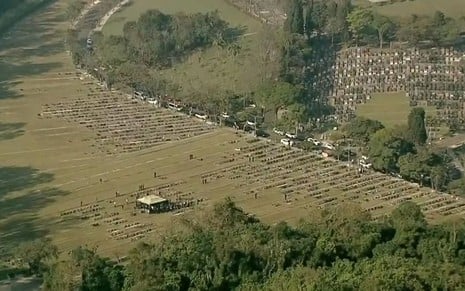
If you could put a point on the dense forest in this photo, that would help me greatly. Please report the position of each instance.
(227, 249)
(403, 150)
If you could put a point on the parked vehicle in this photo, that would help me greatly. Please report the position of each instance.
(291, 135)
(365, 164)
(174, 106)
(287, 142)
(328, 146)
(202, 116)
(314, 141)
(278, 132)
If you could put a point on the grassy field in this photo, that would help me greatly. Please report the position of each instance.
(389, 108)
(54, 183)
(453, 8)
(216, 68)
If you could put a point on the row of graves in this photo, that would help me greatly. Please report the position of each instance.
(126, 216)
(122, 123)
(310, 180)
(258, 169)
(430, 77)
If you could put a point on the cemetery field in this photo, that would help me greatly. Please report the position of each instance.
(73, 157)
(215, 68)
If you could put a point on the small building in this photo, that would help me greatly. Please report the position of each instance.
(153, 204)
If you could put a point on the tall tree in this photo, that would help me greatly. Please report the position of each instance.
(359, 23)
(361, 129)
(385, 148)
(416, 126)
(384, 26)
(295, 17)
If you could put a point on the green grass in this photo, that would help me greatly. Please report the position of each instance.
(203, 73)
(389, 108)
(138, 7)
(453, 8)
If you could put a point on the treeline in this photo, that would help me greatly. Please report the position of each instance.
(155, 41)
(352, 25)
(11, 11)
(158, 40)
(403, 150)
(340, 249)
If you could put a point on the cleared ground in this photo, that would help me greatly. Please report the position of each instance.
(215, 68)
(56, 181)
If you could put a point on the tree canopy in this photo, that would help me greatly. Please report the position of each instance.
(361, 129)
(385, 148)
(341, 248)
(416, 126)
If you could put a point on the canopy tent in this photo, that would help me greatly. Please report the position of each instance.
(152, 203)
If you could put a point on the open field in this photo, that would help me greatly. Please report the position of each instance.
(215, 68)
(389, 108)
(453, 8)
(59, 170)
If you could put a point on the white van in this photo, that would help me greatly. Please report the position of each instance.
(314, 141)
(287, 142)
(152, 102)
(174, 106)
(278, 131)
(201, 116)
(291, 135)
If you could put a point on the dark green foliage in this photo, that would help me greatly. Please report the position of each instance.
(361, 129)
(416, 126)
(34, 254)
(386, 147)
(341, 249)
(158, 39)
(295, 17)
(425, 167)
(371, 28)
